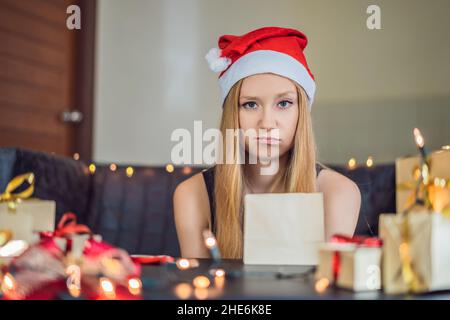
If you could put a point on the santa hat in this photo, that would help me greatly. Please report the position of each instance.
(266, 50)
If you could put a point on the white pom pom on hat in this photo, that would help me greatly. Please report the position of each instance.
(266, 50)
(215, 61)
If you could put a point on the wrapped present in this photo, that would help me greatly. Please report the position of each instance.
(351, 263)
(23, 216)
(72, 262)
(416, 252)
(408, 171)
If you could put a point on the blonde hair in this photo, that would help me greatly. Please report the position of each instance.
(299, 175)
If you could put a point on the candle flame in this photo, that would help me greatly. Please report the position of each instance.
(420, 142)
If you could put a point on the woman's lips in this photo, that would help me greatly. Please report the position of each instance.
(268, 140)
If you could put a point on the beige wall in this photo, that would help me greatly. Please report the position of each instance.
(373, 86)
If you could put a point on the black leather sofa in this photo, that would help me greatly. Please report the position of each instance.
(136, 213)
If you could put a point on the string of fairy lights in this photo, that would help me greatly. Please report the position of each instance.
(129, 170)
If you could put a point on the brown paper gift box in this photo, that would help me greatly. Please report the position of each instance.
(359, 267)
(429, 249)
(404, 177)
(30, 216)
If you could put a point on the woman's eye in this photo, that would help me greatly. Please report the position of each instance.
(285, 104)
(249, 105)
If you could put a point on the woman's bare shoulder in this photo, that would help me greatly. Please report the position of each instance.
(342, 202)
(191, 197)
(191, 213)
(194, 184)
(330, 180)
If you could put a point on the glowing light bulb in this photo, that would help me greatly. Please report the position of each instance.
(113, 167)
(92, 168)
(219, 279)
(352, 163)
(134, 286)
(220, 273)
(183, 290)
(108, 288)
(129, 171)
(9, 283)
(201, 293)
(187, 170)
(210, 242)
(321, 285)
(169, 168)
(369, 162)
(201, 282)
(183, 264)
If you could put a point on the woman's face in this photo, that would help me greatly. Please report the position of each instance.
(268, 101)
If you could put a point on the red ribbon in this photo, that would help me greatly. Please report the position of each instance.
(67, 226)
(358, 240)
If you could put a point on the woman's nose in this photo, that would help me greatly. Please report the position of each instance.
(267, 120)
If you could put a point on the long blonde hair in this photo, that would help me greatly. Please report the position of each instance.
(299, 175)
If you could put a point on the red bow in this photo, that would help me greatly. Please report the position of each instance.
(67, 226)
(357, 240)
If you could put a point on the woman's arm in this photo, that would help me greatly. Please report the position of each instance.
(342, 202)
(191, 210)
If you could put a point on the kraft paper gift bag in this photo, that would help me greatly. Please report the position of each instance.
(429, 251)
(30, 216)
(283, 228)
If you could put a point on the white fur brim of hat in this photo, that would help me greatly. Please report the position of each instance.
(257, 62)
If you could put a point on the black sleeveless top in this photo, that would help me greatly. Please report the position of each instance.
(208, 176)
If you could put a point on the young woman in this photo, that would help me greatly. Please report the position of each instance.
(265, 84)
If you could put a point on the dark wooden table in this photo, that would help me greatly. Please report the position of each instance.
(252, 282)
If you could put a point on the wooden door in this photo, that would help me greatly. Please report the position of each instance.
(45, 70)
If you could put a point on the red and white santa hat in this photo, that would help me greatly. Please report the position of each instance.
(266, 50)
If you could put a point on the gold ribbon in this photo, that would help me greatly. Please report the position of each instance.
(13, 198)
(410, 277)
(425, 188)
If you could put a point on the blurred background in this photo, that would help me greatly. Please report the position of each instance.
(90, 110)
(114, 90)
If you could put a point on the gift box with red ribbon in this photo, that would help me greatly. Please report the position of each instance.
(351, 263)
(71, 262)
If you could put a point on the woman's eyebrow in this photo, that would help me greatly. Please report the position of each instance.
(286, 93)
(277, 96)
